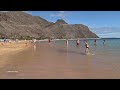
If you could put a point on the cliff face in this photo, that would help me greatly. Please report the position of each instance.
(17, 24)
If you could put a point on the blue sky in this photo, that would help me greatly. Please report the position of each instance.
(93, 19)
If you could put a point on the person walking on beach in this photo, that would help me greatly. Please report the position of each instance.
(87, 47)
(77, 42)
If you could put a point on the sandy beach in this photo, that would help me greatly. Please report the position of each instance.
(8, 49)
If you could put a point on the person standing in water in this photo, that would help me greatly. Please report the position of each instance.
(87, 47)
(77, 42)
(49, 41)
(67, 42)
(103, 42)
(95, 42)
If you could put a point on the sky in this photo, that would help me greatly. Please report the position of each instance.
(92, 19)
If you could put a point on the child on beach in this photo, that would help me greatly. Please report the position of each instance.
(87, 47)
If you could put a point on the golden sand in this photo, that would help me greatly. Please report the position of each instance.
(11, 48)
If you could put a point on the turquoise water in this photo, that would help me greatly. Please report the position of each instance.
(111, 48)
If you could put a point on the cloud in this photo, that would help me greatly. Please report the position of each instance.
(60, 14)
(110, 34)
(107, 32)
(61, 11)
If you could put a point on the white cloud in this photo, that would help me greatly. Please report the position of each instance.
(60, 14)
(107, 32)
(108, 35)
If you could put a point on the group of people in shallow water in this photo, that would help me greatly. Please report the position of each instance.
(77, 44)
(86, 44)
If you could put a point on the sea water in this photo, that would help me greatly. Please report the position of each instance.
(111, 45)
(110, 50)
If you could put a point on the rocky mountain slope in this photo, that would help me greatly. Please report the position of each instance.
(17, 24)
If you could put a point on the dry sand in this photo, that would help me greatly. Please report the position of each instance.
(8, 49)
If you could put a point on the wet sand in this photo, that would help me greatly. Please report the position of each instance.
(44, 61)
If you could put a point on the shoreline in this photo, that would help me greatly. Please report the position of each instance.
(70, 39)
(2, 40)
(13, 46)
(8, 49)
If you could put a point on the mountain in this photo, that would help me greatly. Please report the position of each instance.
(17, 24)
(60, 21)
